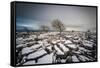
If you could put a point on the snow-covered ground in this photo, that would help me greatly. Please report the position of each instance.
(50, 48)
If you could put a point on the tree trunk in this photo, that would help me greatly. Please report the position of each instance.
(60, 35)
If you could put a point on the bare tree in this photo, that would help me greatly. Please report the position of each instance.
(44, 28)
(58, 25)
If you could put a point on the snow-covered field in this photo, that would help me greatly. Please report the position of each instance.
(50, 47)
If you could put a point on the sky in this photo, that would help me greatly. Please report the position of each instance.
(76, 18)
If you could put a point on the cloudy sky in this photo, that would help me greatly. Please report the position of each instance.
(73, 17)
